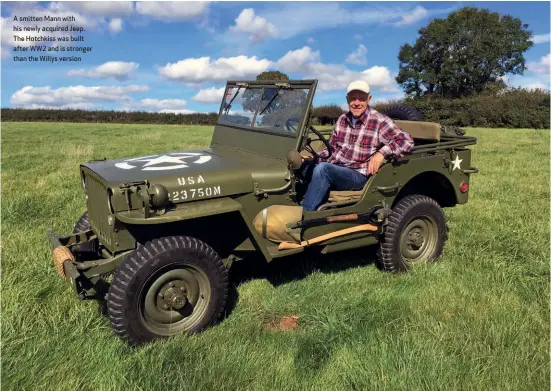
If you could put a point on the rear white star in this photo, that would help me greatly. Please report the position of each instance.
(457, 163)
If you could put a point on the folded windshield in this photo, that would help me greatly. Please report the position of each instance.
(277, 108)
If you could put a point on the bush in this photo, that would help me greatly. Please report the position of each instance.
(510, 108)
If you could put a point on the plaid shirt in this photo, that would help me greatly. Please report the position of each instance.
(374, 132)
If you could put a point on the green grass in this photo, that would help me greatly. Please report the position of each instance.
(476, 320)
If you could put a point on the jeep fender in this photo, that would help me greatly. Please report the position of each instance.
(198, 209)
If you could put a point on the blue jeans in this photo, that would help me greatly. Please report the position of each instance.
(325, 176)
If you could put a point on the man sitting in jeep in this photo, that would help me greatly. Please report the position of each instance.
(362, 139)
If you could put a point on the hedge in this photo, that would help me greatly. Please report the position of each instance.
(512, 108)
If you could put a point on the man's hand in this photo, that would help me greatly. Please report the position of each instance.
(375, 163)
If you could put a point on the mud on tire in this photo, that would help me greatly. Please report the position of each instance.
(166, 287)
(415, 232)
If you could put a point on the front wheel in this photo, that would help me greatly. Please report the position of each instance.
(416, 232)
(168, 286)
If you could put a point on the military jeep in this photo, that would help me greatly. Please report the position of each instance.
(170, 225)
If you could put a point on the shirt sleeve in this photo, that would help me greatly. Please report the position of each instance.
(396, 142)
(323, 155)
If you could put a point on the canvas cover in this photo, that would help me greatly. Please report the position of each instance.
(272, 222)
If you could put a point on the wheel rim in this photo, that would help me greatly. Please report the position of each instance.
(418, 239)
(174, 300)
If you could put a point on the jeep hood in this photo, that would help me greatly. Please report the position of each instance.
(191, 175)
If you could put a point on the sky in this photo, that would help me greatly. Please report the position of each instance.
(177, 56)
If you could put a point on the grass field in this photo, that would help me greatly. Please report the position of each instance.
(476, 320)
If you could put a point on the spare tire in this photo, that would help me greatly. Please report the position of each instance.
(403, 113)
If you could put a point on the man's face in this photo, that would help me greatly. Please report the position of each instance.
(358, 102)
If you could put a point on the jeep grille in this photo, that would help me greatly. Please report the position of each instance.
(98, 208)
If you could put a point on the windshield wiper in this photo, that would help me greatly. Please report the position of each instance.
(270, 102)
(228, 106)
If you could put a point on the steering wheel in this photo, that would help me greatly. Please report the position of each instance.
(321, 138)
(289, 124)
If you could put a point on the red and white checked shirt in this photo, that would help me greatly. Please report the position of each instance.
(374, 132)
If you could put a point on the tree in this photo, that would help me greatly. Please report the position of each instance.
(458, 56)
(327, 114)
(272, 75)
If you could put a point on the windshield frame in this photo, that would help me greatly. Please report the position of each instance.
(288, 85)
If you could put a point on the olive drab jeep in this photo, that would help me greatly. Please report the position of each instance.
(170, 225)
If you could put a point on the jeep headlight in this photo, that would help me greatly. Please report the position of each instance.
(159, 195)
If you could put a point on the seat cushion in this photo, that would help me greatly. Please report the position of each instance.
(421, 130)
(345, 195)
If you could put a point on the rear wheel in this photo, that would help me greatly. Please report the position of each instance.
(166, 287)
(415, 232)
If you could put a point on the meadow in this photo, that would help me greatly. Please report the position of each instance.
(476, 320)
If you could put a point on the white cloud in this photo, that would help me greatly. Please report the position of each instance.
(30, 96)
(210, 95)
(115, 25)
(161, 105)
(333, 76)
(358, 57)
(257, 27)
(311, 40)
(304, 61)
(315, 15)
(172, 10)
(540, 38)
(298, 60)
(414, 16)
(115, 69)
(201, 70)
(536, 86)
(175, 106)
(97, 8)
(542, 66)
(90, 15)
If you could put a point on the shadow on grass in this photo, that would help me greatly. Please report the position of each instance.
(279, 271)
(295, 267)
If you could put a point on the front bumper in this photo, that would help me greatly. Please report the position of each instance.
(84, 273)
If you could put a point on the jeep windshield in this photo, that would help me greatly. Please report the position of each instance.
(270, 106)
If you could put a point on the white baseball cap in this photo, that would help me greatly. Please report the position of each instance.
(359, 85)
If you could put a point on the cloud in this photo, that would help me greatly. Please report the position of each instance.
(536, 86)
(359, 37)
(90, 15)
(167, 11)
(542, 66)
(333, 76)
(113, 69)
(175, 106)
(417, 14)
(325, 15)
(29, 96)
(311, 40)
(303, 61)
(298, 60)
(115, 26)
(97, 8)
(161, 105)
(257, 27)
(209, 95)
(200, 70)
(540, 38)
(358, 57)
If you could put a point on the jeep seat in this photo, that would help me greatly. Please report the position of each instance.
(420, 130)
